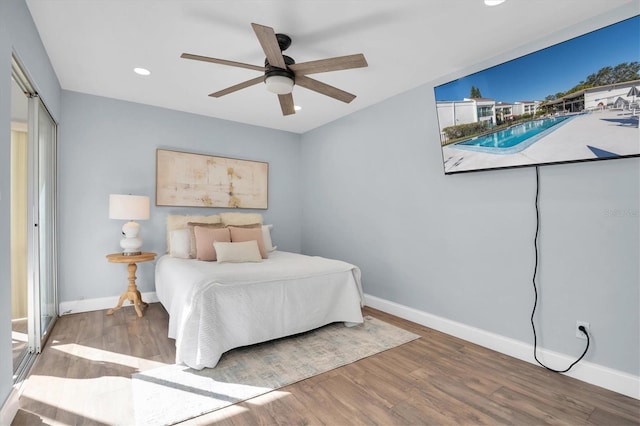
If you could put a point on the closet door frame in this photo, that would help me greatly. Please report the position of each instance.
(42, 164)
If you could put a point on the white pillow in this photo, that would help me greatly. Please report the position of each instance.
(246, 251)
(180, 243)
(266, 238)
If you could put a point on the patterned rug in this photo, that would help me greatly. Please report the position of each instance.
(174, 393)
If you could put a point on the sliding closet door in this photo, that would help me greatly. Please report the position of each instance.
(42, 258)
(19, 227)
(33, 222)
(47, 154)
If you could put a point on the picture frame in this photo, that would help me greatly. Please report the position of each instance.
(199, 180)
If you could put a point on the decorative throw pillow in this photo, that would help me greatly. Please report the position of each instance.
(240, 219)
(252, 225)
(191, 226)
(246, 251)
(266, 238)
(206, 225)
(180, 243)
(205, 237)
(239, 235)
(176, 221)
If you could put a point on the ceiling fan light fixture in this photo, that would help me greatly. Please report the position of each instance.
(279, 84)
(493, 2)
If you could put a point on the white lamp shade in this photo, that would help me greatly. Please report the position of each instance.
(128, 207)
(279, 84)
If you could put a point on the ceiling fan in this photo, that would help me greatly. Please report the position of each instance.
(281, 72)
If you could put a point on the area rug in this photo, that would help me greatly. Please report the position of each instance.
(174, 393)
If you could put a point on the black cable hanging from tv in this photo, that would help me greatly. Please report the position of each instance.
(535, 289)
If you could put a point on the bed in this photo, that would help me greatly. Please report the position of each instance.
(214, 306)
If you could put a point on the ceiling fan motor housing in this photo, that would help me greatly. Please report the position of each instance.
(284, 41)
(271, 71)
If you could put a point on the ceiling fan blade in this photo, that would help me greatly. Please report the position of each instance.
(269, 42)
(330, 64)
(237, 87)
(221, 61)
(323, 88)
(286, 104)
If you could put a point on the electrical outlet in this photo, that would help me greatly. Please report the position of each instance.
(580, 334)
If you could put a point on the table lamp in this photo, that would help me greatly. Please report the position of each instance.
(129, 207)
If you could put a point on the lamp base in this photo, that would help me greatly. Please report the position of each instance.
(131, 244)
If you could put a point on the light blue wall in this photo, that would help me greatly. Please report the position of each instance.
(461, 246)
(19, 35)
(369, 189)
(108, 146)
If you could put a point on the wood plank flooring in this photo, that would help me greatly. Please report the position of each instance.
(83, 377)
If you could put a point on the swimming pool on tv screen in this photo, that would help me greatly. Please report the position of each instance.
(513, 139)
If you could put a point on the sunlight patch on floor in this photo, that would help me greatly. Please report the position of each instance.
(216, 416)
(106, 398)
(110, 402)
(174, 392)
(100, 355)
(231, 411)
(18, 337)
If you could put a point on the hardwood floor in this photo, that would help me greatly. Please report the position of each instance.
(83, 377)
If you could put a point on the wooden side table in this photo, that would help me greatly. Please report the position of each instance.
(132, 292)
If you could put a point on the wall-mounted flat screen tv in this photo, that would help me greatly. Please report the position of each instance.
(574, 101)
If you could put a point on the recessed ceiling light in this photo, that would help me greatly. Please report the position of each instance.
(493, 2)
(297, 107)
(141, 71)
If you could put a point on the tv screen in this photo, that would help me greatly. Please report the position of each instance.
(574, 101)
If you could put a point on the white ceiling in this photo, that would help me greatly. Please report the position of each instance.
(94, 45)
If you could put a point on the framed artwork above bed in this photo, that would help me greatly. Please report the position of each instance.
(197, 180)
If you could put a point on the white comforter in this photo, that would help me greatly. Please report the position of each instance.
(214, 307)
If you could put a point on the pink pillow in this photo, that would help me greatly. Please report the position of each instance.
(205, 238)
(239, 235)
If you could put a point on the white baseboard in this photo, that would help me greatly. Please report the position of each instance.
(88, 305)
(605, 377)
(10, 407)
(608, 378)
